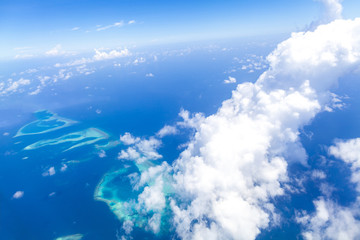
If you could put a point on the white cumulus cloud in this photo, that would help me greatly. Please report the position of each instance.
(128, 139)
(237, 161)
(140, 149)
(102, 55)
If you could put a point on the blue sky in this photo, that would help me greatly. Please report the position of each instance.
(37, 26)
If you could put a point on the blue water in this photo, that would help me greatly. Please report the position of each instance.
(63, 204)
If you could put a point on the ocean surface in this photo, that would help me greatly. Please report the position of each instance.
(60, 147)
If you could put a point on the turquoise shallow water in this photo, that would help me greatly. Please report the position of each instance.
(55, 157)
(46, 122)
(65, 159)
(115, 187)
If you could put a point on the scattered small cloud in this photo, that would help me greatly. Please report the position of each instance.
(102, 154)
(330, 221)
(230, 80)
(54, 51)
(139, 60)
(64, 167)
(149, 75)
(49, 172)
(129, 154)
(128, 139)
(141, 149)
(12, 86)
(128, 226)
(24, 56)
(102, 55)
(75, 28)
(18, 195)
(98, 56)
(36, 91)
(167, 130)
(317, 174)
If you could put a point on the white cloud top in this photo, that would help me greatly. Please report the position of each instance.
(237, 161)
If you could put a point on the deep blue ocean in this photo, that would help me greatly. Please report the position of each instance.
(119, 100)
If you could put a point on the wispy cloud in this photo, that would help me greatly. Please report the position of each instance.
(167, 130)
(24, 56)
(55, 51)
(114, 25)
(24, 52)
(117, 24)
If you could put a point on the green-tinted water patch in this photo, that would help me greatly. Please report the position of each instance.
(46, 122)
(71, 237)
(108, 145)
(117, 190)
(76, 139)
